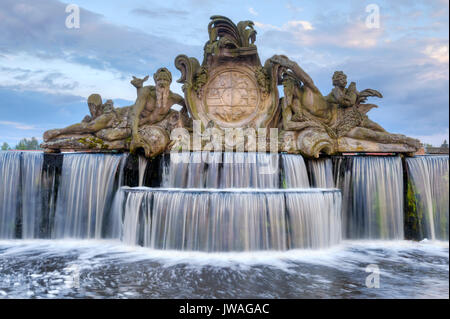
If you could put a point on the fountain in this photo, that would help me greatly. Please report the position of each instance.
(87, 196)
(211, 182)
(217, 176)
(230, 219)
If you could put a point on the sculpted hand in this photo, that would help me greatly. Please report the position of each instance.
(282, 60)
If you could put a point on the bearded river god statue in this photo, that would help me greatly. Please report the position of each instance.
(232, 90)
(146, 124)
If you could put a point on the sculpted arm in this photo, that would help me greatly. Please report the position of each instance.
(101, 122)
(175, 99)
(179, 100)
(341, 99)
(136, 111)
(297, 70)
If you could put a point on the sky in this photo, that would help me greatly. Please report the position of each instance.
(47, 70)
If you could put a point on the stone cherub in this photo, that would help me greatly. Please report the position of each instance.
(340, 114)
(349, 102)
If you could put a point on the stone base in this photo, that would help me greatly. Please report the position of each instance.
(82, 143)
(349, 145)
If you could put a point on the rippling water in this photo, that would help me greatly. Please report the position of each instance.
(108, 269)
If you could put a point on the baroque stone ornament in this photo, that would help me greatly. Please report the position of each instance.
(231, 89)
(237, 93)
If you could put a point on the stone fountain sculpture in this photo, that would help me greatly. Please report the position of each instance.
(231, 89)
(146, 124)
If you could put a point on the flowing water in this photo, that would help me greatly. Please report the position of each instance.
(321, 173)
(142, 168)
(108, 269)
(231, 219)
(237, 225)
(372, 189)
(295, 173)
(32, 208)
(222, 170)
(430, 182)
(85, 192)
(9, 192)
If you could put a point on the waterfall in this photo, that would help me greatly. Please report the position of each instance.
(51, 171)
(343, 181)
(321, 173)
(131, 220)
(268, 170)
(239, 170)
(142, 167)
(315, 222)
(373, 189)
(214, 161)
(231, 220)
(295, 174)
(9, 192)
(85, 191)
(429, 176)
(219, 201)
(32, 209)
(196, 171)
(221, 170)
(175, 172)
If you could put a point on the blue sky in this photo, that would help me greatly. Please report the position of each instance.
(47, 70)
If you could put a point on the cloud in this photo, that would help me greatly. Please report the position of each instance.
(37, 28)
(290, 26)
(410, 69)
(406, 59)
(354, 35)
(293, 8)
(437, 52)
(157, 13)
(252, 11)
(19, 126)
(433, 139)
(26, 72)
(25, 114)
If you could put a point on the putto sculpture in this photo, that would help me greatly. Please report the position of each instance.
(232, 90)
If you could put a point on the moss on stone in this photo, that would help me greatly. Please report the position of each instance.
(93, 143)
(413, 214)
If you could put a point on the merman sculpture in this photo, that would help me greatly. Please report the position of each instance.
(232, 90)
(145, 124)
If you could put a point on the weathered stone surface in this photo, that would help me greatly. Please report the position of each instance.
(335, 123)
(348, 144)
(128, 128)
(231, 89)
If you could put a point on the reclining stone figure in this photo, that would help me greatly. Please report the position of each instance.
(326, 122)
(146, 124)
